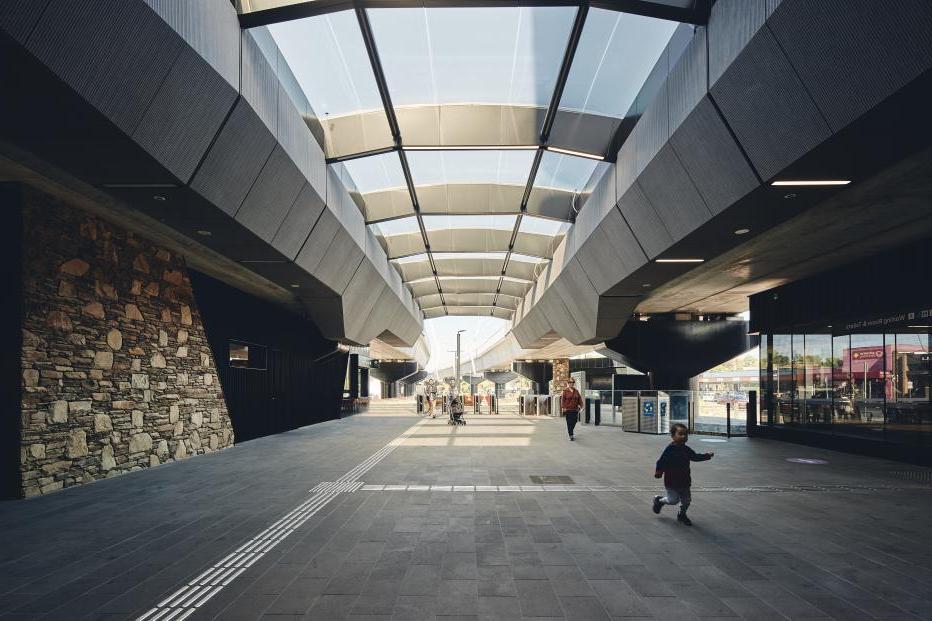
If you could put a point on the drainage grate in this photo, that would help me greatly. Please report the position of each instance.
(552, 479)
(923, 476)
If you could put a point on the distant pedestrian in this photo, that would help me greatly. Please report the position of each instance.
(571, 404)
(673, 466)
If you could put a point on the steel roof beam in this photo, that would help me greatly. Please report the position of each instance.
(697, 14)
(368, 37)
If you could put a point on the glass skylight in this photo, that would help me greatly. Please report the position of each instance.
(490, 222)
(442, 167)
(500, 55)
(615, 55)
(376, 172)
(564, 172)
(399, 226)
(543, 226)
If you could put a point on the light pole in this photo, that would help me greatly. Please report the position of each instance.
(457, 380)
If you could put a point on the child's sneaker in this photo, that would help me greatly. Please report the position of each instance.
(682, 519)
(657, 504)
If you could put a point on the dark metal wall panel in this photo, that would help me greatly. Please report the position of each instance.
(259, 84)
(130, 48)
(185, 114)
(231, 167)
(611, 253)
(851, 57)
(293, 134)
(768, 108)
(732, 24)
(653, 129)
(688, 79)
(644, 221)
(712, 158)
(271, 196)
(19, 17)
(673, 194)
(359, 298)
(210, 27)
(626, 167)
(297, 225)
(330, 254)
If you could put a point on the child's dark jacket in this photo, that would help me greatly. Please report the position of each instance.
(674, 464)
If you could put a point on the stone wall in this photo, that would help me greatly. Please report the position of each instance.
(117, 371)
(561, 374)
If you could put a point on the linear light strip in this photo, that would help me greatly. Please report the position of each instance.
(679, 260)
(590, 156)
(811, 182)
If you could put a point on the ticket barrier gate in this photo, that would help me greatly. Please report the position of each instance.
(645, 411)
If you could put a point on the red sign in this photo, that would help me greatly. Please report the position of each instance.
(866, 354)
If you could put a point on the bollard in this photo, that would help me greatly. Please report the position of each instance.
(728, 419)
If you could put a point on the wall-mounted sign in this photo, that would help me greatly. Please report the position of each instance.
(648, 408)
(863, 353)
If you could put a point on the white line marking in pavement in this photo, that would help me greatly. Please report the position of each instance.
(186, 600)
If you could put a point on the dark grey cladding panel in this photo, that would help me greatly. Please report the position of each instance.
(129, 47)
(185, 114)
(329, 253)
(653, 129)
(712, 158)
(644, 221)
(732, 24)
(259, 86)
(235, 159)
(688, 80)
(271, 196)
(359, 298)
(293, 133)
(673, 194)
(19, 17)
(768, 108)
(611, 253)
(211, 27)
(852, 57)
(297, 225)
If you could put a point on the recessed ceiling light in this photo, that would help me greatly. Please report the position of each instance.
(742, 231)
(805, 182)
(921, 327)
(295, 285)
(679, 260)
(647, 284)
(159, 197)
(591, 156)
(790, 195)
(204, 233)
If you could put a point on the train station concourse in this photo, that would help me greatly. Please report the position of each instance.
(427, 309)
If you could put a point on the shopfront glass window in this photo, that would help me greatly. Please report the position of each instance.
(817, 372)
(782, 381)
(867, 383)
(798, 385)
(843, 411)
(909, 410)
(764, 396)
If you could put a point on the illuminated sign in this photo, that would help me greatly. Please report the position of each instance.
(866, 354)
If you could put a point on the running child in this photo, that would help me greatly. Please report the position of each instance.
(673, 466)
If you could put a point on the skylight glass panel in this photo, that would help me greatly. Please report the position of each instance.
(491, 222)
(543, 226)
(615, 55)
(523, 258)
(329, 60)
(376, 172)
(443, 167)
(396, 227)
(498, 256)
(501, 55)
(414, 258)
(564, 172)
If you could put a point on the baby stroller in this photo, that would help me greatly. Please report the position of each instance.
(456, 411)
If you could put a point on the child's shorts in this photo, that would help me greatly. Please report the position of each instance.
(681, 497)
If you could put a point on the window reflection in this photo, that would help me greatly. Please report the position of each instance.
(871, 385)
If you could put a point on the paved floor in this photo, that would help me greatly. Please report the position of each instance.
(400, 518)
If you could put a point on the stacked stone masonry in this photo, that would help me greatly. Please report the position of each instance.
(117, 371)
